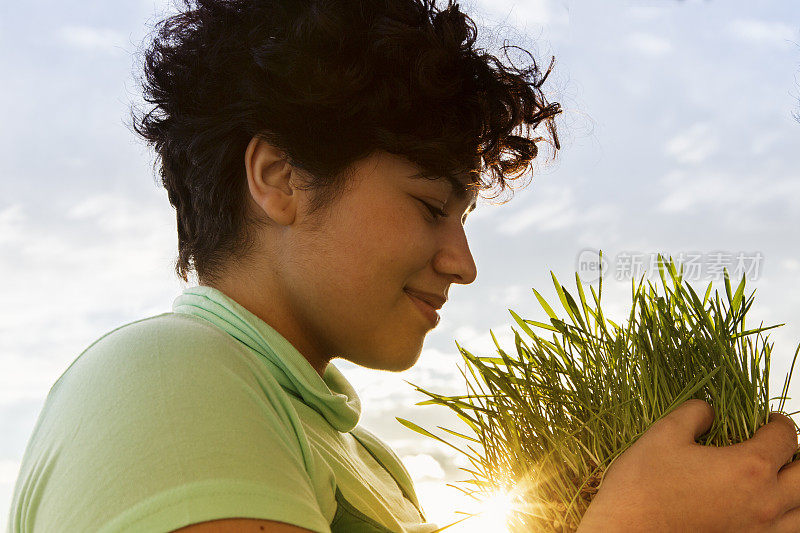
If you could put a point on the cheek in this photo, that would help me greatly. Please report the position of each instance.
(371, 253)
(388, 231)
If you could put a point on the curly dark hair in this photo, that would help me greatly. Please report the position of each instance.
(327, 82)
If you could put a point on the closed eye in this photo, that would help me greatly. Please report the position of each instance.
(435, 211)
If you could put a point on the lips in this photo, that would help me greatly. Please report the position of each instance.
(427, 309)
(434, 300)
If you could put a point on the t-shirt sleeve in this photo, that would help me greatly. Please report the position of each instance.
(162, 424)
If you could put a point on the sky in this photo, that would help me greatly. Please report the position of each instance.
(677, 136)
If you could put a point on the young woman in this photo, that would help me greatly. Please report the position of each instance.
(322, 156)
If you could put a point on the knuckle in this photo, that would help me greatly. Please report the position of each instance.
(780, 418)
(711, 413)
(698, 402)
(755, 469)
(664, 426)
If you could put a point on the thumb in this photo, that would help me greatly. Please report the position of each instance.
(692, 418)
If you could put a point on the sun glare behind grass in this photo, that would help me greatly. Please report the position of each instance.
(491, 515)
(494, 513)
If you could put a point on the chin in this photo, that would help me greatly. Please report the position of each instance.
(400, 366)
(391, 364)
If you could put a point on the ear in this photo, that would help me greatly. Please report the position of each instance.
(268, 178)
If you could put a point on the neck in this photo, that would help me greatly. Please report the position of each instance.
(264, 300)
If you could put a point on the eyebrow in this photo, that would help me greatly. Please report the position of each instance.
(456, 186)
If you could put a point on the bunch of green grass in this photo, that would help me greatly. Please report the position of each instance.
(549, 421)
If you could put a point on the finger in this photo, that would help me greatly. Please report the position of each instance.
(777, 416)
(788, 523)
(775, 441)
(789, 490)
(692, 418)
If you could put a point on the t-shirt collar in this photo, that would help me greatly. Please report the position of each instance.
(331, 395)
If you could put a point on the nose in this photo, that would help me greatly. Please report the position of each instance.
(454, 257)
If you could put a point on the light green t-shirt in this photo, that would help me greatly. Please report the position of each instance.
(201, 414)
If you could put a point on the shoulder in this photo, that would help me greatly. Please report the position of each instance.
(169, 374)
(154, 345)
(168, 367)
(172, 330)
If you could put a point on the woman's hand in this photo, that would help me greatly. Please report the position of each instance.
(668, 482)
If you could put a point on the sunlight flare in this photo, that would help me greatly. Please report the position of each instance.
(492, 515)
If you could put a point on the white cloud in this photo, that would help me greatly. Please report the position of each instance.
(423, 466)
(554, 209)
(649, 44)
(764, 142)
(25, 377)
(482, 343)
(791, 265)
(509, 295)
(88, 38)
(545, 12)
(8, 471)
(720, 191)
(466, 333)
(693, 145)
(11, 219)
(104, 236)
(763, 32)
(686, 192)
(111, 213)
(382, 392)
(8, 477)
(539, 12)
(645, 13)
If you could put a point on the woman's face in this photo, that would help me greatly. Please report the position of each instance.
(345, 284)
